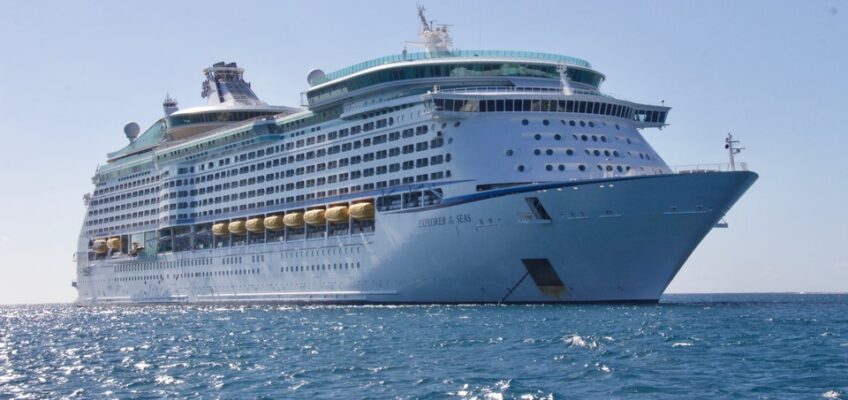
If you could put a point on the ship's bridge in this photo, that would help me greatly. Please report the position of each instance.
(473, 67)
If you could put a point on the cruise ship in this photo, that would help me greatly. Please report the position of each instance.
(439, 176)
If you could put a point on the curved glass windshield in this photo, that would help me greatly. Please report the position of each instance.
(450, 70)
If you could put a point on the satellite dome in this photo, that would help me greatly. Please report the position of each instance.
(315, 77)
(131, 129)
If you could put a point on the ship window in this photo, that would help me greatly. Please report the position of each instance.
(508, 105)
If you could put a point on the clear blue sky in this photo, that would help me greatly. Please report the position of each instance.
(774, 73)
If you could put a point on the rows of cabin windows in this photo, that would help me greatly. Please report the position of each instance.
(318, 167)
(198, 274)
(343, 162)
(328, 180)
(318, 139)
(324, 166)
(380, 139)
(241, 271)
(321, 267)
(419, 178)
(122, 184)
(538, 105)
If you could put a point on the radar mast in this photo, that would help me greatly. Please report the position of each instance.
(434, 37)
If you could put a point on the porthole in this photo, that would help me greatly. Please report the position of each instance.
(583, 123)
(620, 169)
(549, 167)
(591, 124)
(584, 138)
(537, 137)
(447, 157)
(546, 122)
(444, 125)
(537, 152)
(524, 122)
(617, 127)
(450, 140)
(607, 153)
(616, 153)
(628, 141)
(609, 167)
(569, 152)
(574, 136)
(594, 138)
(600, 168)
(581, 167)
(603, 138)
(561, 167)
(509, 152)
(456, 124)
(571, 122)
(557, 137)
(520, 168)
(597, 152)
(563, 121)
(549, 152)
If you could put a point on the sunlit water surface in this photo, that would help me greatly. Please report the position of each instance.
(689, 346)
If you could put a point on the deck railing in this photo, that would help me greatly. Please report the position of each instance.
(513, 89)
(701, 168)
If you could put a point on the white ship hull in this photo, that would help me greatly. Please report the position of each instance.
(620, 239)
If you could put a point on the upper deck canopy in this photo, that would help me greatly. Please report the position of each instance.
(510, 54)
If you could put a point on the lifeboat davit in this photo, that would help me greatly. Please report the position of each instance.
(274, 222)
(114, 243)
(362, 211)
(237, 227)
(337, 214)
(220, 229)
(99, 246)
(255, 225)
(314, 217)
(293, 220)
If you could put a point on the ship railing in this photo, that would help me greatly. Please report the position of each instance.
(516, 89)
(702, 168)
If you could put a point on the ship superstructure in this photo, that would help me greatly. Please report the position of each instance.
(428, 177)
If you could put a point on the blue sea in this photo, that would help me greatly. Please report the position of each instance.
(758, 346)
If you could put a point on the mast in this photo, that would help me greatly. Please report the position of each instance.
(434, 38)
(732, 150)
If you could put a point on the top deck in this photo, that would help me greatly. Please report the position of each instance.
(528, 55)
